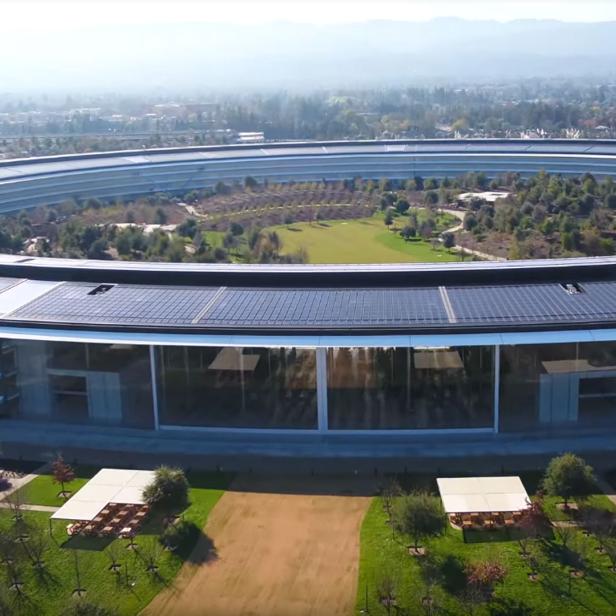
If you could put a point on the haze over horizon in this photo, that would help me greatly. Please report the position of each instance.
(93, 47)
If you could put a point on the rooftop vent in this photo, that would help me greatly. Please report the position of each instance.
(572, 288)
(102, 288)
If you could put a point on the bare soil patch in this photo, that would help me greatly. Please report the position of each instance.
(284, 547)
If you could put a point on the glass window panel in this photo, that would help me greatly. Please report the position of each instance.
(70, 382)
(558, 386)
(410, 388)
(237, 387)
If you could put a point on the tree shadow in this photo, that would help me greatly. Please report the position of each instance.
(203, 551)
(501, 606)
(453, 575)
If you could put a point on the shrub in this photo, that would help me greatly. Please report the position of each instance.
(483, 576)
(568, 476)
(169, 489)
(180, 536)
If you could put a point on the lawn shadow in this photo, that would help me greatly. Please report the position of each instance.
(89, 544)
(294, 229)
(488, 536)
(453, 574)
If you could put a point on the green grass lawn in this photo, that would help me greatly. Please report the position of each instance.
(365, 240)
(49, 592)
(42, 490)
(383, 553)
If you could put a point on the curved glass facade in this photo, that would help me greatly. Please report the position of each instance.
(522, 388)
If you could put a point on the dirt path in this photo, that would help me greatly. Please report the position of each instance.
(276, 552)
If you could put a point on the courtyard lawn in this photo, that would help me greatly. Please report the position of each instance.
(42, 490)
(365, 240)
(385, 554)
(48, 592)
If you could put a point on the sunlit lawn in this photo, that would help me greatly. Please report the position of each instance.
(365, 240)
(127, 592)
(386, 553)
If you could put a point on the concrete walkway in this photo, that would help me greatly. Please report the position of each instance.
(25, 507)
(20, 482)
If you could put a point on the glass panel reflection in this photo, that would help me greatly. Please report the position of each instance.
(107, 384)
(558, 385)
(410, 388)
(237, 387)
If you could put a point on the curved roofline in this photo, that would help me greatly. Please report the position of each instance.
(569, 270)
(239, 147)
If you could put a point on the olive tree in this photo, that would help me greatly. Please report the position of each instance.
(419, 515)
(569, 476)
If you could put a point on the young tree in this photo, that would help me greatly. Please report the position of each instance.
(569, 476)
(62, 474)
(36, 547)
(389, 218)
(533, 523)
(482, 577)
(390, 493)
(419, 515)
(387, 589)
(169, 489)
(449, 240)
(114, 553)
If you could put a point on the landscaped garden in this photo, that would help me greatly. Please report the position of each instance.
(557, 560)
(52, 574)
(365, 240)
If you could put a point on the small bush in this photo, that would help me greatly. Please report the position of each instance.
(181, 536)
(169, 489)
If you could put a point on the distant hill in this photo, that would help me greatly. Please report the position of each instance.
(222, 56)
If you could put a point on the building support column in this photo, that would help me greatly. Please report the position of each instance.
(154, 382)
(322, 389)
(496, 388)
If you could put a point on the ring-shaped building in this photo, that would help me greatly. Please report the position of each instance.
(361, 361)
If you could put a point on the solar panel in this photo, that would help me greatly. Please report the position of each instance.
(5, 283)
(326, 308)
(121, 304)
(534, 303)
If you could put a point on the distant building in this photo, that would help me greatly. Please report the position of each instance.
(254, 137)
(487, 196)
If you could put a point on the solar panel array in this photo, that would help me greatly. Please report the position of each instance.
(536, 303)
(327, 308)
(416, 308)
(120, 305)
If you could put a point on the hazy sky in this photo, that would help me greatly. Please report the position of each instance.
(28, 15)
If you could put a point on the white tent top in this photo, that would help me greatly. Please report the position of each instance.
(109, 485)
(483, 494)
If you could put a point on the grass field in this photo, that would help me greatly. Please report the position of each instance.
(385, 553)
(49, 591)
(365, 240)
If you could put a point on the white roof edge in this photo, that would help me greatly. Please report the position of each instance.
(314, 341)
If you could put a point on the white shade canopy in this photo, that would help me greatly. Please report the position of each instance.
(109, 485)
(482, 494)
